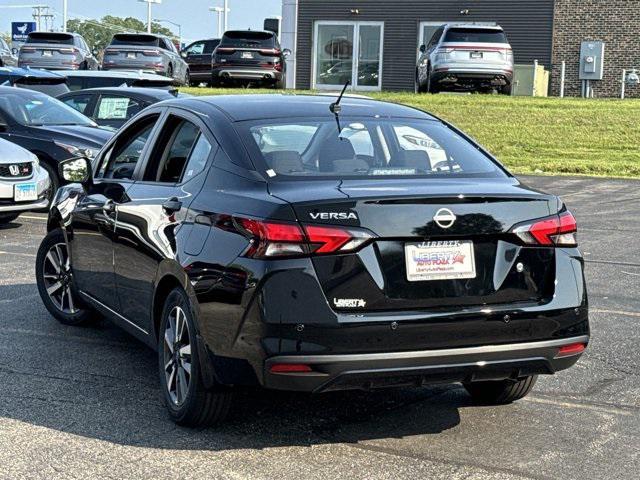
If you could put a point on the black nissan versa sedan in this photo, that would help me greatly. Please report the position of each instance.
(279, 240)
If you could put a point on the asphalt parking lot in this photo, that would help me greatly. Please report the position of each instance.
(84, 402)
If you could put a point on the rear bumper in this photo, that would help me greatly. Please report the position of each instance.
(463, 73)
(377, 370)
(246, 73)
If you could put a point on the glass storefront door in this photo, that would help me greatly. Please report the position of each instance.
(348, 51)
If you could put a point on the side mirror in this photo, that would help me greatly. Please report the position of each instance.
(286, 52)
(75, 170)
(423, 48)
(184, 54)
(95, 52)
(14, 51)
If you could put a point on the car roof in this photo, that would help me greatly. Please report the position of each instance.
(264, 106)
(148, 92)
(112, 74)
(479, 25)
(22, 92)
(18, 72)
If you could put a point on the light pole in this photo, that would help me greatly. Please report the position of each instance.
(172, 23)
(226, 15)
(219, 11)
(149, 2)
(64, 15)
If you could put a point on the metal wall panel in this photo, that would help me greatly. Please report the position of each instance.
(528, 24)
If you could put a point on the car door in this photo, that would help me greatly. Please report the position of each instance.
(423, 62)
(151, 223)
(94, 216)
(113, 110)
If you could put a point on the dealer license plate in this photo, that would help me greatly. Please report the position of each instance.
(24, 192)
(476, 54)
(247, 55)
(47, 53)
(131, 55)
(440, 260)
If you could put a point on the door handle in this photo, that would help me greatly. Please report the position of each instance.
(172, 205)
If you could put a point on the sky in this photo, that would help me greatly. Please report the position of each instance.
(194, 15)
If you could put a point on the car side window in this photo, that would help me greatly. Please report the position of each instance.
(196, 49)
(180, 153)
(121, 159)
(210, 46)
(79, 103)
(436, 37)
(115, 107)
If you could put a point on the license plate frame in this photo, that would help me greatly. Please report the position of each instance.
(25, 192)
(47, 53)
(475, 55)
(247, 55)
(131, 55)
(440, 260)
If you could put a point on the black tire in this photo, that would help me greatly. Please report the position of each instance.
(170, 71)
(419, 88)
(187, 79)
(500, 392)
(506, 89)
(8, 217)
(76, 313)
(196, 405)
(279, 85)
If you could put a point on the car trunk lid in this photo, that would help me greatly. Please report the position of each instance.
(414, 263)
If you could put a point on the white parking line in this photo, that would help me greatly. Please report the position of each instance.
(30, 217)
(585, 406)
(17, 253)
(615, 312)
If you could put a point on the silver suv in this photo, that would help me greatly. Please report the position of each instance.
(466, 57)
(145, 52)
(56, 51)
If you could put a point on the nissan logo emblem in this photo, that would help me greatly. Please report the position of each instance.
(444, 218)
(14, 170)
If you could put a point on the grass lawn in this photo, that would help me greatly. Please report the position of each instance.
(535, 135)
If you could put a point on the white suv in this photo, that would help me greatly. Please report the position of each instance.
(23, 184)
(466, 57)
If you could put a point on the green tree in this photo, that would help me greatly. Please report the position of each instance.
(98, 33)
(6, 36)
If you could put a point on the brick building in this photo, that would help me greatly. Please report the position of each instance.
(387, 34)
(615, 22)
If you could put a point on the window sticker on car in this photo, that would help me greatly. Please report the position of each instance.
(113, 109)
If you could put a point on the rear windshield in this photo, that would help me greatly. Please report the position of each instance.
(134, 39)
(248, 39)
(475, 35)
(364, 148)
(57, 38)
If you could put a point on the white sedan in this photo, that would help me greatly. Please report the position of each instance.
(23, 184)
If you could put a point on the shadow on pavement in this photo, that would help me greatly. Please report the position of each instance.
(97, 382)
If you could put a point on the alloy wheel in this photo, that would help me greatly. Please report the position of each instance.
(58, 278)
(177, 356)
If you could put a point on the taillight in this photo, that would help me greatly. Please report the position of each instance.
(571, 349)
(270, 51)
(225, 51)
(558, 230)
(68, 50)
(151, 53)
(27, 49)
(111, 52)
(269, 239)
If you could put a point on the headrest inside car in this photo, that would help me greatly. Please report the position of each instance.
(418, 159)
(285, 161)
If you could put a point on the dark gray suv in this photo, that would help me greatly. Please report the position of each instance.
(146, 52)
(57, 51)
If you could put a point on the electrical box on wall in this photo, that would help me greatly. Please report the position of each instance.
(591, 60)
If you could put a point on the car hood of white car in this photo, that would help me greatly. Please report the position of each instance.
(12, 153)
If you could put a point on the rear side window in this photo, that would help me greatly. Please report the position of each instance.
(477, 35)
(248, 39)
(367, 147)
(57, 38)
(79, 102)
(180, 153)
(131, 39)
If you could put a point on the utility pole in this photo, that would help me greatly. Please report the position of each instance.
(219, 12)
(149, 18)
(226, 15)
(38, 13)
(64, 15)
